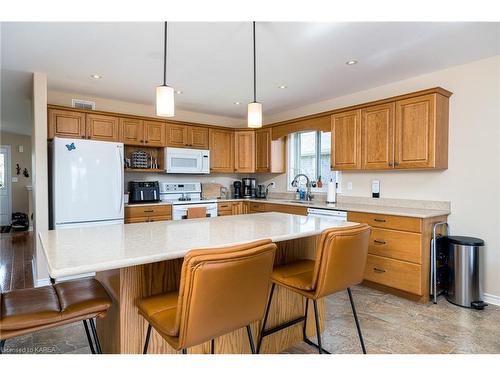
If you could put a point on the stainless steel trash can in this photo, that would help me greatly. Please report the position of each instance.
(465, 269)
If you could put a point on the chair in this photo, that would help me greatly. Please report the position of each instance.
(340, 262)
(221, 290)
(25, 311)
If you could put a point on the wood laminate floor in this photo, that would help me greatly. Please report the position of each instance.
(16, 260)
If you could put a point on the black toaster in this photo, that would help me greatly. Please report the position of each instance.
(143, 191)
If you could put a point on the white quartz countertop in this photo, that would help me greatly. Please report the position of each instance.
(73, 251)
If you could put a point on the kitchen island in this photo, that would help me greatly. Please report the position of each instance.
(139, 260)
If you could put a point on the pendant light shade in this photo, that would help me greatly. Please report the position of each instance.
(165, 101)
(254, 118)
(254, 115)
(165, 94)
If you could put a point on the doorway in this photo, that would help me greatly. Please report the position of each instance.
(5, 186)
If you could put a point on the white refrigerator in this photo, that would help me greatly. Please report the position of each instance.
(87, 182)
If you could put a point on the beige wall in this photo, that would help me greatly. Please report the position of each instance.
(19, 192)
(472, 180)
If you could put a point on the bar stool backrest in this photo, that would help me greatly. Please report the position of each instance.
(340, 259)
(222, 289)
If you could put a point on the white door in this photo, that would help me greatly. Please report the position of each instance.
(87, 181)
(5, 188)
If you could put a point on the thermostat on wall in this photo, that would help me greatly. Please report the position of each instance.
(375, 189)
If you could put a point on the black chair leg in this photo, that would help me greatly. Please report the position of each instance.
(146, 342)
(212, 346)
(2, 345)
(89, 339)
(259, 343)
(96, 338)
(316, 320)
(304, 334)
(250, 339)
(358, 327)
(184, 351)
(306, 340)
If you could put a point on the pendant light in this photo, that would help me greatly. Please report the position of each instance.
(254, 108)
(164, 93)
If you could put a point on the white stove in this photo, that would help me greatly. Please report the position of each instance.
(183, 196)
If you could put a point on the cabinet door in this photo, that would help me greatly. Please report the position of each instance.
(221, 150)
(102, 128)
(346, 140)
(415, 132)
(177, 135)
(66, 124)
(263, 150)
(377, 137)
(198, 137)
(132, 131)
(155, 133)
(244, 151)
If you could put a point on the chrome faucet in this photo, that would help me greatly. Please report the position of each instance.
(295, 181)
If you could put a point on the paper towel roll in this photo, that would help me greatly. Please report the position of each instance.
(332, 192)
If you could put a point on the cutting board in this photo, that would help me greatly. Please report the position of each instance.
(210, 191)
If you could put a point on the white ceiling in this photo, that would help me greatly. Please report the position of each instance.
(212, 62)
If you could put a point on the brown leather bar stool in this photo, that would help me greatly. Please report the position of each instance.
(340, 263)
(29, 310)
(221, 290)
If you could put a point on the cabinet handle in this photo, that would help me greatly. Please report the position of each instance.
(149, 211)
(378, 242)
(396, 163)
(379, 220)
(378, 270)
(391, 164)
(146, 141)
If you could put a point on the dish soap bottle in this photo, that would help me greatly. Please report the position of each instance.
(297, 195)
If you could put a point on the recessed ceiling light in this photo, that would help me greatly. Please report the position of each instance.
(237, 103)
(96, 76)
(282, 87)
(352, 62)
(178, 92)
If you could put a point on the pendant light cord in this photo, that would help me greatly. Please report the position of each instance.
(254, 69)
(165, 57)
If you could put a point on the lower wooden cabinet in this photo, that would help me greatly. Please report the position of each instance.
(224, 208)
(271, 207)
(240, 208)
(147, 214)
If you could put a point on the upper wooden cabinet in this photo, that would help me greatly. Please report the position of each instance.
(132, 131)
(244, 151)
(179, 135)
(269, 154)
(377, 136)
(66, 124)
(154, 133)
(102, 128)
(346, 140)
(221, 150)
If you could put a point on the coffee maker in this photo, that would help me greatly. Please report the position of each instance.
(249, 187)
(237, 189)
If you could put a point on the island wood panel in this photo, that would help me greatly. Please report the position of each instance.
(123, 330)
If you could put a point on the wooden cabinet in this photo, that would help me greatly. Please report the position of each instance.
(102, 128)
(225, 208)
(182, 136)
(244, 151)
(377, 137)
(269, 154)
(221, 150)
(65, 124)
(421, 134)
(346, 140)
(132, 131)
(147, 214)
(240, 208)
(154, 133)
(272, 207)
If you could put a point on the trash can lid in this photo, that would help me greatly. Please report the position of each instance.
(467, 241)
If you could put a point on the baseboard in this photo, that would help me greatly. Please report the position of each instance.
(46, 281)
(492, 299)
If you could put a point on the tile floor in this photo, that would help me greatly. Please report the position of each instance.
(390, 325)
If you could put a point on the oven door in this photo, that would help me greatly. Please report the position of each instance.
(185, 160)
(179, 211)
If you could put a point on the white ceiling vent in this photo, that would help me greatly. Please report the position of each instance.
(82, 104)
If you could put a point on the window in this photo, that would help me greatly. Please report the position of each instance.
(309, 153)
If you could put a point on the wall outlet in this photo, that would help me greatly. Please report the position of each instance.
(375, 189)
(349, 185)
(15, 179)
(21, 148)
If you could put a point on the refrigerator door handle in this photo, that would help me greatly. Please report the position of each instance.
(120, 162)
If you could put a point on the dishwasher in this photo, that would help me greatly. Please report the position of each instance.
(334, 214)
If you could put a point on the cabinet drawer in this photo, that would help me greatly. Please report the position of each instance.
(224, 213)
(295, 210)
(410, 224)
(394, 273)
(257, 207)
(396, 244)
(226, 206)
(140, 211)
(147, 219)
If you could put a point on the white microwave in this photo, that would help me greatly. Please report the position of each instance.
(187, 160)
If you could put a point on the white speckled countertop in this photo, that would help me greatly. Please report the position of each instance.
(74, 251)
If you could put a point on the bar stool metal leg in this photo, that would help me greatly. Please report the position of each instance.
(259, 343)
(306, 340)
(89, 339)
(2, 344)
(304, 334)
(146, 342)
(358, 327)
(316, 320)
(212, 346)
(184, 351)
(96, 338)
(250, 339)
